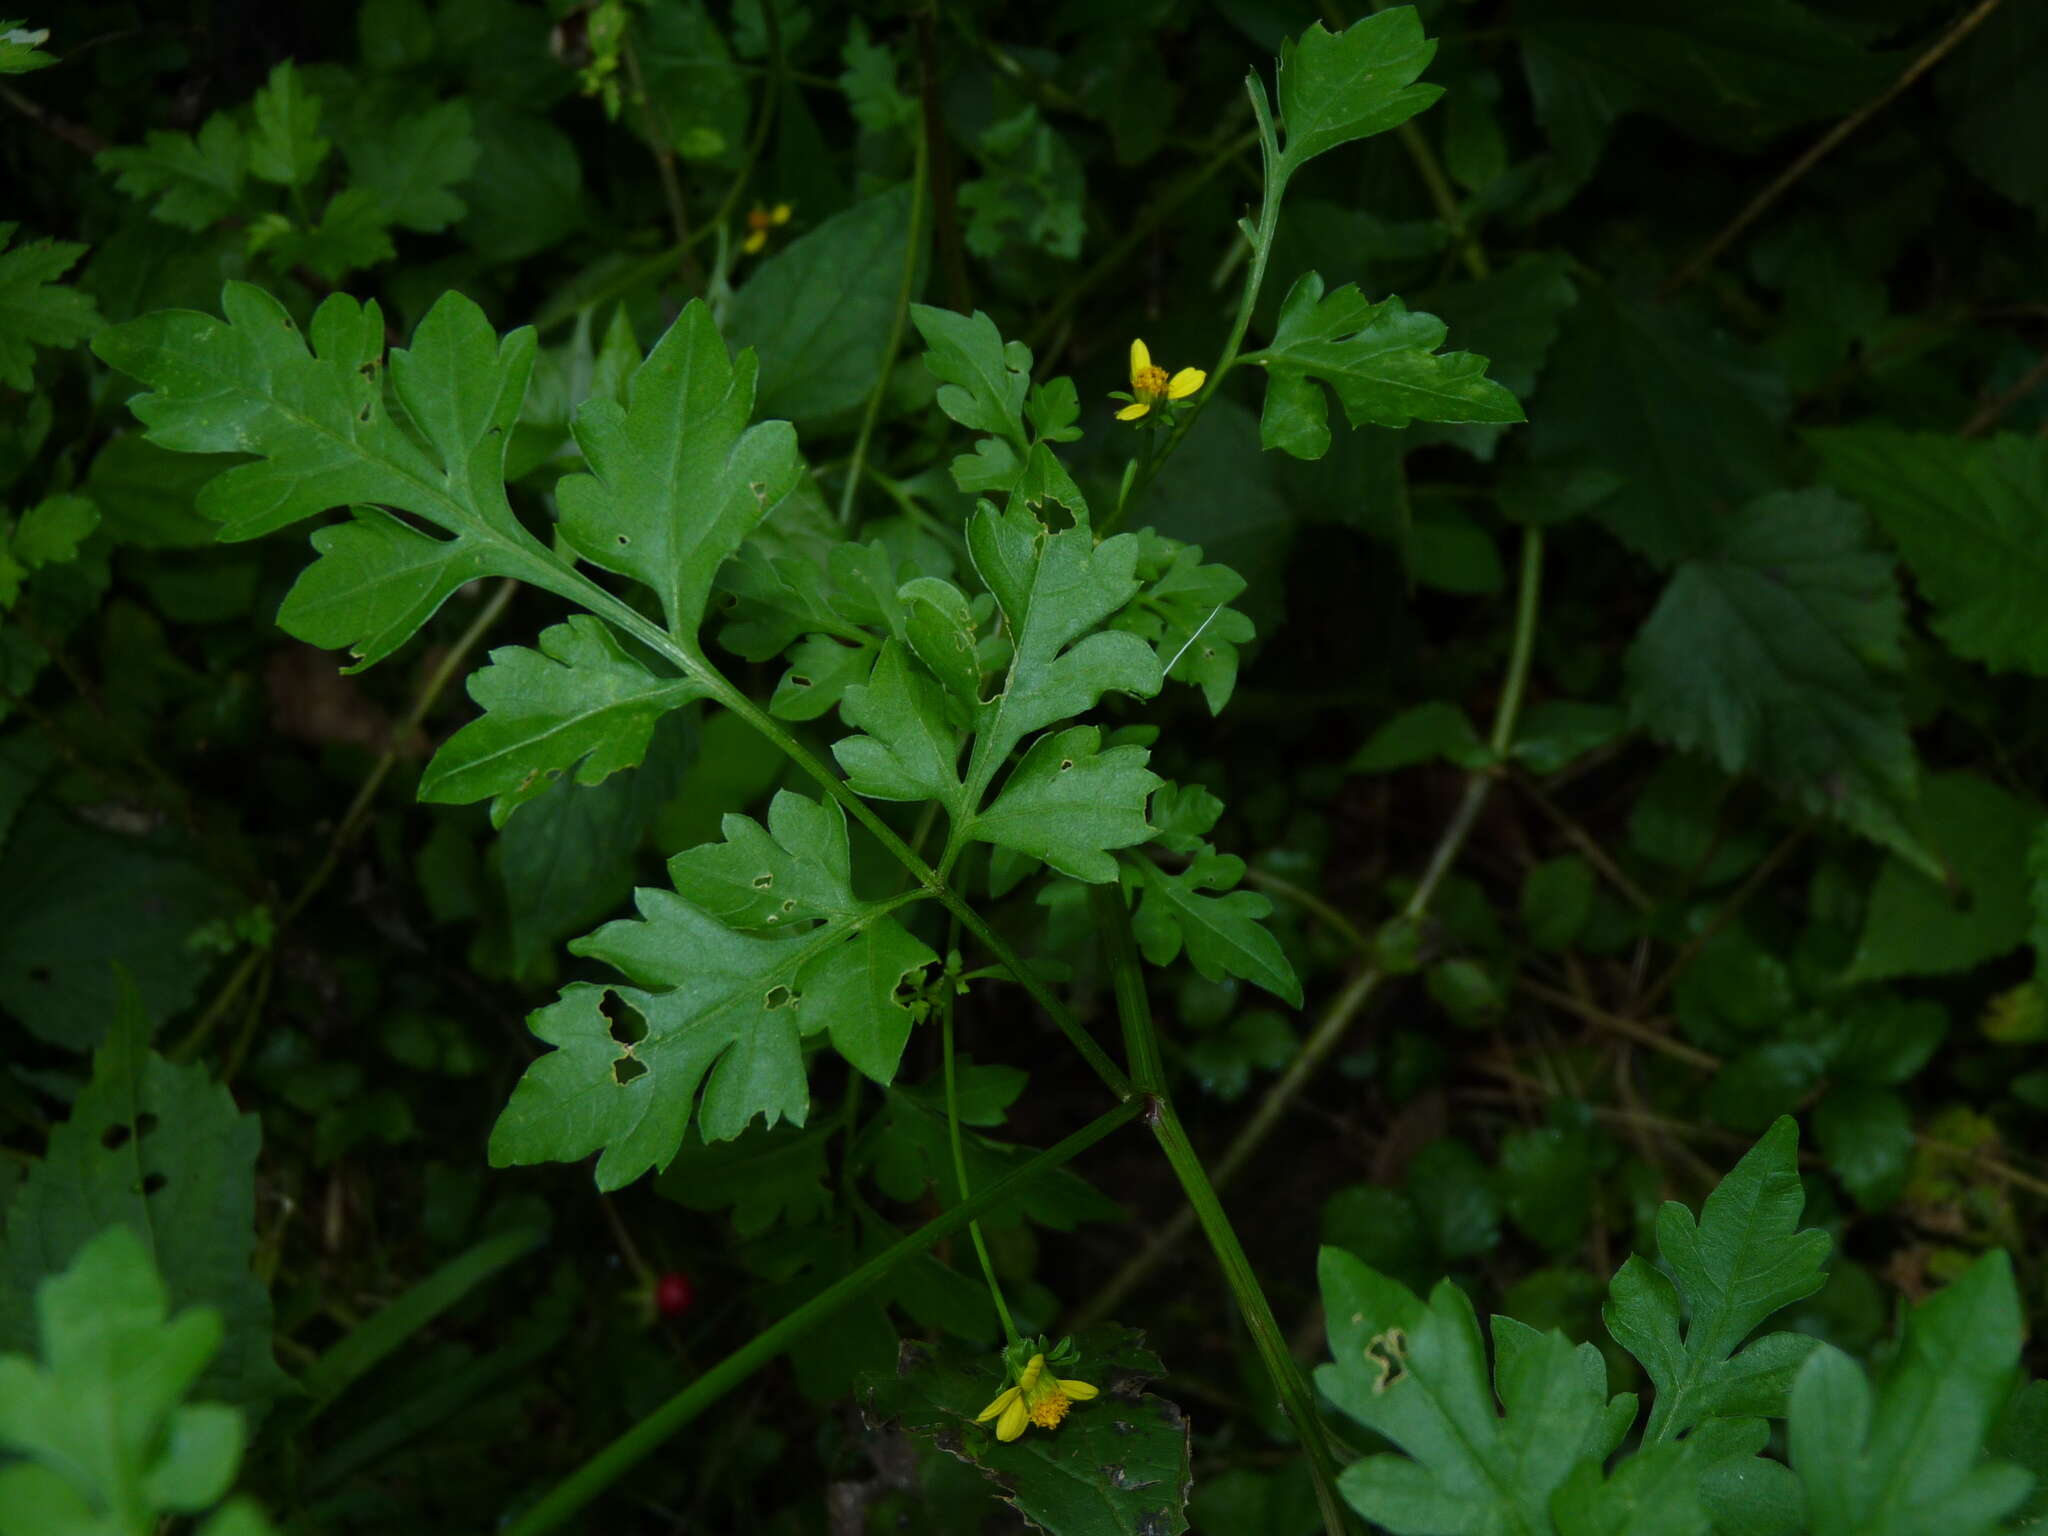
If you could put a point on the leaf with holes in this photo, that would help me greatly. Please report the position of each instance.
(1743, 1259)
(1053, 590)
(678, 479)
(1416, 1373)
(761, 942)
(1067, 802)
(102, 1418)
(1117, 1466)
(579, 702)
(1223, 933)
(1381, 360)
(314, 419)
(161, 1150)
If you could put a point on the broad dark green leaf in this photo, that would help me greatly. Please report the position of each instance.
(1916, 926)
(1970, 519)
(1741, 1260)
(162, 1151)
(819, 311)
(412, 164)
(1682, 423)
(1775, 650)
(1117, 1466)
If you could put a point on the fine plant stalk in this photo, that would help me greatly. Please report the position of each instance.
(692, 663)
(1255, 279)
(988, 1267)
(1337, 1019)
(1148, 1068)
(590, 1480)
(920, 184)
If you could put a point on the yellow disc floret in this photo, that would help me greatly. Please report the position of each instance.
(1038, 1398)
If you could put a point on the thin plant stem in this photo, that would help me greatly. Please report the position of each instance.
(920, 180)
(1113, 922)
(655, 130)
(556, 1507)
(352, 819)
(988, 1267)
(764, 118)
(693, 663)
(1828, 142)
(1337, 1018)
(1274, 191)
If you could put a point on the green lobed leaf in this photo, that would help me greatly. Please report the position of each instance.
(678, 479)
(1068, 803)
(768, 1177)
(1183, 611)
(1117, 1466)
(1775, 650)
(315, 421)
(1222, 933)
(412, 164)
(1337, 87)
(579, 702)
(1416, 1373)
(34, 310)
(162, 1151)
(196, 179)
(983, 380)
(286, 146)
(1969, 519)
(1741, 1260)
(761, 942)
(102, 1419)
(1909, 1459)
(19, 50)
(1380, 359)
(910, 749)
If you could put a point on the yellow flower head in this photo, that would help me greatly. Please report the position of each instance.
(1038, 1398)
(1150, 385)
(759, 223)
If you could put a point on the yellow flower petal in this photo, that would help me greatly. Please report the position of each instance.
(1141, 359)
(754, 242)
(1133, 412)
(1185, 383)
(1014, 1421)
(1003, 1400)
(780, 215)
(1079, 1391)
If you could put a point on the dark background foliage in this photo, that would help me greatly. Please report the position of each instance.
(1761, 848)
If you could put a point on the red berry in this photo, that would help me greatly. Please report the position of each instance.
(673, 1294)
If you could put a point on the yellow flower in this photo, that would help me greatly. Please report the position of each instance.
(759, 222)
(1037, 1398)
(1151, 386)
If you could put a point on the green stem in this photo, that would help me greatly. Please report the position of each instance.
(1528, 602)
(591, 1479)
(912, 250)
(988, 1267)
(578, 588)
(1113, 920)
(1255, 279)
